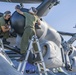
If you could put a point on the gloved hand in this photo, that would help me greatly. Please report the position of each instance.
(17, 7)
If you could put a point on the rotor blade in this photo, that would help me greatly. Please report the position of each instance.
(22, 1)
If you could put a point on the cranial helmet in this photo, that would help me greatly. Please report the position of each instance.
(7, 13)
(33, 10)
(17, 7)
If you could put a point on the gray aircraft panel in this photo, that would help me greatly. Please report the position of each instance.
(6, 68)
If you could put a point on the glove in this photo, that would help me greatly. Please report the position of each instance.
(17, 7)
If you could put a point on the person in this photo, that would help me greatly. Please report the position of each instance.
(29, 29)
(4, 26)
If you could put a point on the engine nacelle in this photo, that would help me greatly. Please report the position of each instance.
(52, 55)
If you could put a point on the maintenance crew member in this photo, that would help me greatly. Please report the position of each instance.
(29, 29)
(4, 26)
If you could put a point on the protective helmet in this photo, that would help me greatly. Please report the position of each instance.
(7, 13)
(17, 7)
(33, 10)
